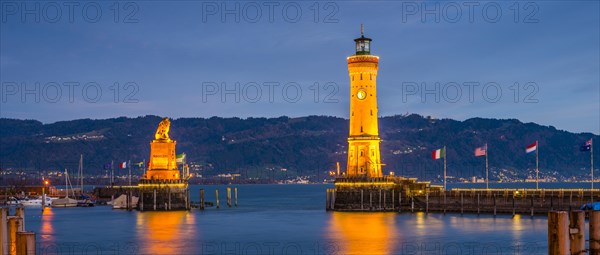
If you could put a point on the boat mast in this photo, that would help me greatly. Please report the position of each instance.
(81, 173)
(66, 185)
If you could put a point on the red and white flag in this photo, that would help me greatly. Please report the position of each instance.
(123, 165)
(532, 147)
(481, 151)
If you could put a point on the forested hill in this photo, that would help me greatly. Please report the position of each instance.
(301, 146)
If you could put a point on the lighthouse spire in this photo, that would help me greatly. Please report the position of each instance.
(362, 30)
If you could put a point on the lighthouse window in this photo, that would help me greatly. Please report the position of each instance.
(361, 129)
(361, 76)
(370, 77)
(371, 112)
(352, 77)
(361, 153)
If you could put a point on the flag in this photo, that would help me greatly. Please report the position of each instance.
(587, 146)
(140, 164)
(439, 153)
(123, 165)
(532, 147)
(481, 151)
(107, 166)
(180, 158)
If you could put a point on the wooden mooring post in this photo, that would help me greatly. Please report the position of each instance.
(400, 201)
(228, 197)
(14, 240)
(594, 232)
(14, 223)
(217, 197)
(558, 233)
(577, 232)
(462, 202)
(426, 202)
(3, 230)
(370, 200)
(235, 197)
(362, 208)
(494, 204)
(201, 199)
(154, 196)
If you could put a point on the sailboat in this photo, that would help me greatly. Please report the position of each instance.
(66, 201)
(83, 200)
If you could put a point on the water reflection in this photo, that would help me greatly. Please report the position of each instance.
(165, 232)
(363, 233)
(46, 228)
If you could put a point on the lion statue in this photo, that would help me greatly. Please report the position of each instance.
(162, 133)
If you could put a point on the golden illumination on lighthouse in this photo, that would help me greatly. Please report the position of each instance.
(363, 140)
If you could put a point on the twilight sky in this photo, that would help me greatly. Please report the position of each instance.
(536, 62)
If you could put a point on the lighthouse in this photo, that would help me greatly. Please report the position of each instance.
(364, 158)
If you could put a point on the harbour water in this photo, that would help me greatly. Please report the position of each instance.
(280, 219)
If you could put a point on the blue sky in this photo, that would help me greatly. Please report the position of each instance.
(168, 58)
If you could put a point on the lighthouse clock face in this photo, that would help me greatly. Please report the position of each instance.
(361, 94)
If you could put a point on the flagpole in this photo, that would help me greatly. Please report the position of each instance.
(129, 167)
(112, 173)
(444, 167)
(486, 167)
(144, 166)
(537, 171)
(592, 159)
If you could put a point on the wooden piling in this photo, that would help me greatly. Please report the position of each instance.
(217, 197)
(154, 195)
(384, 206)
(558, 233)
(494, 204)
(25, 243)
(228, 197)
(43, 201)
(328, 199)
(332, 199)
(513, 204)
(362, 208)
(235, 197)
(20, 212)
(141, 201)
(201, 199)
(531, 205)
(577, 232)
(477, 203)
(3, 230)
(594, 232)
(445, 204)
(400, 201)
(169, 199)
(393, 200)
(370, 200)
(13, 228)
(461, 204)
(426, 202)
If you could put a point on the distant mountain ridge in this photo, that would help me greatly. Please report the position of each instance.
(277, 147)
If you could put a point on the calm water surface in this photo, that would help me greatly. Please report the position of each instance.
(280, 219)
